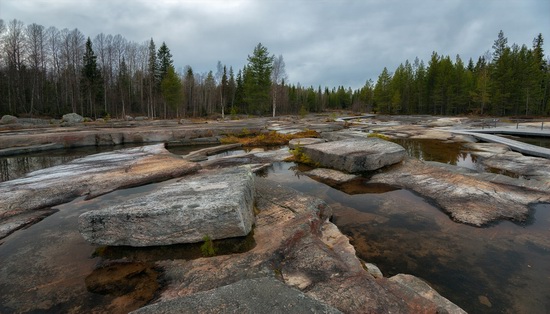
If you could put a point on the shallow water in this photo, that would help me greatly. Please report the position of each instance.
(500, 269)
(435, 150)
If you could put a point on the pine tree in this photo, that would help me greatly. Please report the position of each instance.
(171, 88)
(91, 79)
(382, 92)
(165, 61)
(257, 80)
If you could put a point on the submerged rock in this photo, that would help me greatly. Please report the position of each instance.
(356, 155)
(260, 295)
(218, 205)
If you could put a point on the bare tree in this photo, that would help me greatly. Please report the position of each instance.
(14, 50)
(36, 43)
(278, 76)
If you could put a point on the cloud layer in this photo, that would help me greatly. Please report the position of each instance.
(323, 42)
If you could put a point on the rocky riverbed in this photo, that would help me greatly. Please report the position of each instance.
(295, 244)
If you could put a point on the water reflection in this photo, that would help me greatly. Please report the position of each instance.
(435, 150)
(501, 269)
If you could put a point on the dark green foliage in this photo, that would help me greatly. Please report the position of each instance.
(91, 80)
(257, 80)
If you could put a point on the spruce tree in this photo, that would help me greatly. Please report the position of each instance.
(257, 80)
(90, 79)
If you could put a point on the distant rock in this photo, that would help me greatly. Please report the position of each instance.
(217, 204)
(72, 118)
(141, 118)
(129, 118)
(7, 119)
(355, 156)
(293, 143)
(259, 295)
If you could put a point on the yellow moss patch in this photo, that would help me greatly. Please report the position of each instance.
(248, 139)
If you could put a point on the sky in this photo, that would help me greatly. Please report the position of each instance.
(323, 42)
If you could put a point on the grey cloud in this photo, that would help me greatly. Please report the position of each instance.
(323, 42)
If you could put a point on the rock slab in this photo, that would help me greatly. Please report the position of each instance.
(258, 295)
(356, 156)
(215, 204)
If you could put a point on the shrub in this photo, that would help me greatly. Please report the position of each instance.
(208, 249)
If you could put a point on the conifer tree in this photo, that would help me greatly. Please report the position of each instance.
(91, 81)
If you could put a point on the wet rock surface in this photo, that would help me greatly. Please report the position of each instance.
(355, 156)
(260, 295)
(297, 245)
(298, 142)
(90, 176)
(214, 204)
(467, 199)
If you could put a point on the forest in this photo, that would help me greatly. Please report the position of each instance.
(47, 72)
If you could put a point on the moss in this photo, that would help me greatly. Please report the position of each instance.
(208, 249)
(299, 156)
(272, 138)
(379, 135)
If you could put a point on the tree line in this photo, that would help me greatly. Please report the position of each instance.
(50, 72)
(512, 80)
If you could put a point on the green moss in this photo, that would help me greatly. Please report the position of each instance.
(208, 249)
(379, 135)
(301, 157)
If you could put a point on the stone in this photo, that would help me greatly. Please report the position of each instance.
(258, 295)
(141, 118)
(471, 199)
(356, 156)
(129, 118)
(331, 175)
(91, 176)
(293, 143)
(217, 204)
(423, 289)
(72, 118)
(8, 119)
(374, 270)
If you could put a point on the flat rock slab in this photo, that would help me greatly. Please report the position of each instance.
(90, 176)
(259, 295)
(293, 143)
(331, 175)
(355, 156)
(218, 204)
(474, 200)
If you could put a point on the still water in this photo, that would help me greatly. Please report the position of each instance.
(500, 269)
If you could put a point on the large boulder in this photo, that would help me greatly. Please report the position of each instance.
(217, 204)
(72, 118)
(7, 119)
(259, 295)
(356, 156)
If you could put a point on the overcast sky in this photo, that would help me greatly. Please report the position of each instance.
(327, 43)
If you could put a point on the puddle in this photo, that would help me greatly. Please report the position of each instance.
(501, 269)
(435, 150)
